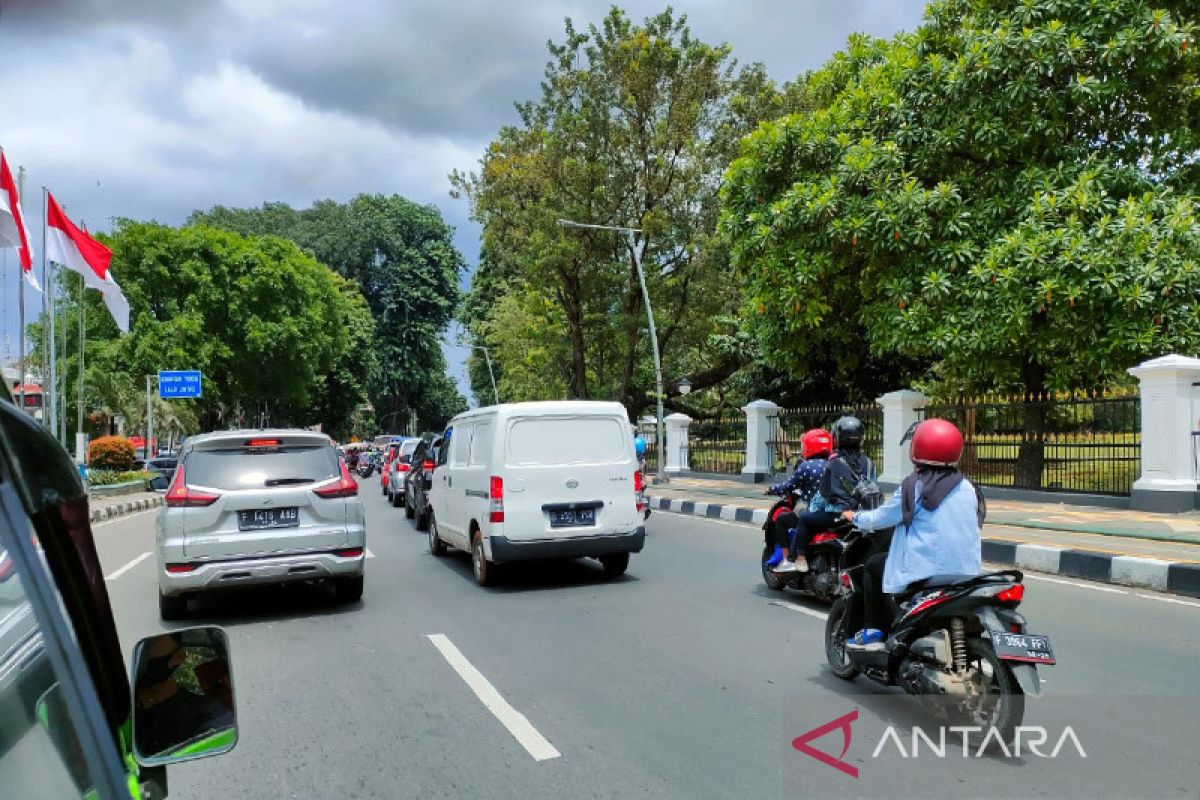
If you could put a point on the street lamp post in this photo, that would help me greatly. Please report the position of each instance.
(637, 246)
(487, 356)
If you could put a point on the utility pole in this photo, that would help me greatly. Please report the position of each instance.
(21, 298)
(149, 417)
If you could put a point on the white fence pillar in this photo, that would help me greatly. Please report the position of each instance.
(677, 443)
(761, 419)
(1170, 410)
(899, 412)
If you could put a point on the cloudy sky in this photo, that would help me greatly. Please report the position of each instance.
(152, 108)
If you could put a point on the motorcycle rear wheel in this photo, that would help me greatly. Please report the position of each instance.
(1001, 703)
(835, 641)
(775, 581)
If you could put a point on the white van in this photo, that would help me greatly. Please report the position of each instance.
(538, 480)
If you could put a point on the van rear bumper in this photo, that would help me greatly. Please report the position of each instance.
(505, 549)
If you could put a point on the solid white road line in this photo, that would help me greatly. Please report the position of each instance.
(1170, 600)
(128, 566)
(801, 609)
(1093, 587)
(521, 729)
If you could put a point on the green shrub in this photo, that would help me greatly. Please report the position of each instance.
(111, 452)
(111, 477)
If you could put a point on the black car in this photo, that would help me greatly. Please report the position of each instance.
(418, 481)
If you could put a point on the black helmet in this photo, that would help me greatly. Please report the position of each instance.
(848, 433)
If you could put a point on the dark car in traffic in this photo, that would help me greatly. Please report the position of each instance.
(419, 480)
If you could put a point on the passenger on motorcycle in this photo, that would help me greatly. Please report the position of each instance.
(847, 472)
(937, 514)
(815, 446)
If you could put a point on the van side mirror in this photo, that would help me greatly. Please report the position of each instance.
(183, 702)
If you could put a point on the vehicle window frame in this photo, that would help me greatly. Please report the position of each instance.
(86, 715)
(444, 451)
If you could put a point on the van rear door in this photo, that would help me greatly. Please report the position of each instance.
(568, 475)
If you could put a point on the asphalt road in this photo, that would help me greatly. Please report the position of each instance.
(686, 678)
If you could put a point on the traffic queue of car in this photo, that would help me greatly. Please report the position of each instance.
(242, 508)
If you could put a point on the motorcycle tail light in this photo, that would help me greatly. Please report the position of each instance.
(823, 537)
(1012, 594)
(844, 579)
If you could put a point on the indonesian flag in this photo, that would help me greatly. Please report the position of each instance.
(79, 252)
(12, 223)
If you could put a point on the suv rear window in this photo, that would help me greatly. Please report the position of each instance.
(238, 468)
(407, 448)
(551, 441)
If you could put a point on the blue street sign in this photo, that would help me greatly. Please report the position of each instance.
(176, 384)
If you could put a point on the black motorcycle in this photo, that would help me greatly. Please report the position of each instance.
(956, 641)
(823, 553)
(366, 465)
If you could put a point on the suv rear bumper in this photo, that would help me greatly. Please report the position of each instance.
(504, 549)
(216, 575)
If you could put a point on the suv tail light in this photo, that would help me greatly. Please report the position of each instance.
(402, 467)
(496, 497)
(345, 486)
(180, 495)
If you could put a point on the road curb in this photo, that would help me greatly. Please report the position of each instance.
(1147, 573)
(114, 510)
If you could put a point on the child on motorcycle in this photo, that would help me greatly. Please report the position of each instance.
(937, 514)
(815, 446)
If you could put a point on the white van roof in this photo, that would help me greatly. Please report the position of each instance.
(545, 407)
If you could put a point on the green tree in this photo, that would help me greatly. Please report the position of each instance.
(1008, 193)
(634, 126)
(266, 323)
(402, 259)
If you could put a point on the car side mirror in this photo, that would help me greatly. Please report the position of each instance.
(183, 701)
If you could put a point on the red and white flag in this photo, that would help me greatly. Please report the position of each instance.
(79, 252)
(12, 223)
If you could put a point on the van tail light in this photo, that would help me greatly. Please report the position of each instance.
(637, 489)
(180, 495)
(345, 486)
(1012, 594)
(496, 499)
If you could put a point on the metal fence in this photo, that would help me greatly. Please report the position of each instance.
(718, 444)
(1088, 442)
(648, 431)
(793, 422)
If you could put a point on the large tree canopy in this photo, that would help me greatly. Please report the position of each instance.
(1009, 192)
(634, 127)
(401, 257)
(273, 330)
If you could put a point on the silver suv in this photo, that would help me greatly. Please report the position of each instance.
(259, 507)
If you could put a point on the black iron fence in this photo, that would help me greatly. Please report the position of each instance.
(1087, 442)
(793, 422)
(718, 444)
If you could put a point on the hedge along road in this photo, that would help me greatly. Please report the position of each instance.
(681, 679)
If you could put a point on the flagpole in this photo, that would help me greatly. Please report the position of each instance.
(21, 299)
(51, 409)
(79, 450)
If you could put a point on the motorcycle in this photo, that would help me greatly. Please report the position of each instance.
(643, 503)
(957, 642)
(823, 553)
(366, 466)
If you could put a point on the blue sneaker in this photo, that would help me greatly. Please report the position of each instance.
(776, 557)
(866, 639)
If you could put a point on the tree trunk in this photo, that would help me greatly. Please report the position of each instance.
(573, 304)
(1031, 455)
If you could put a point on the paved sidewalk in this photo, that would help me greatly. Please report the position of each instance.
(101, 507)
(1157, 551)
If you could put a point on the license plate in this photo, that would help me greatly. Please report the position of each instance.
(1023, 647)
(573, 518)
(268, 518)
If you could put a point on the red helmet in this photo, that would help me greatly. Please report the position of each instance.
(815, 442)
(936, 443)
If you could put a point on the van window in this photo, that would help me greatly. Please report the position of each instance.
(442, 446)
(481, 444)
(460, 445)
(549, 441)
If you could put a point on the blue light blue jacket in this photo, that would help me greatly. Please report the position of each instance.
(940, 542)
